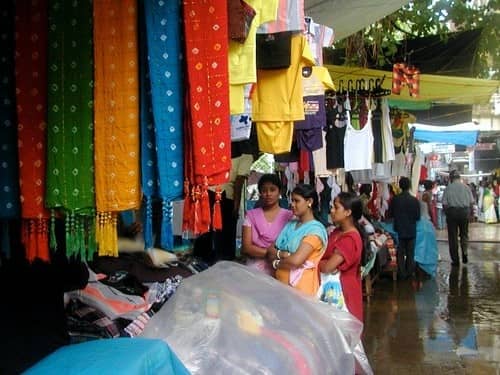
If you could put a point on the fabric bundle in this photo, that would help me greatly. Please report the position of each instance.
(70, 158)
(164, 50)
(207, 129)
(116, 133)
(31, 90)
(9, 179)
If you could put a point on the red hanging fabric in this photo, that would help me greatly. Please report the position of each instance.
(404, 75)
(31, 26)
(206, 34)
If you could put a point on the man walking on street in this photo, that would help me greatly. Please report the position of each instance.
(405, 211)
(457, 202)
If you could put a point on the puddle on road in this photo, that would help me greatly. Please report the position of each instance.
(454, 318)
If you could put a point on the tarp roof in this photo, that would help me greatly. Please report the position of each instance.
(463, 134)
(433, 88)
(346, 17)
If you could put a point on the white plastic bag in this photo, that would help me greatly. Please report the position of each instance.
(330, 290)
(231, 319)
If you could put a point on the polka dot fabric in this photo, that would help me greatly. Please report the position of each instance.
(9, 179)
(31, 94)
(207, 63)
(166, 78)
(70, 151)
(116, 122)
(116, 100)
(70, 157)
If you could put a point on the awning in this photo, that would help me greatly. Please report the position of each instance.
(346, 17)
(462, 134)
(433, 88)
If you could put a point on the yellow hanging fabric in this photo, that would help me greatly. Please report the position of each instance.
(116, 116)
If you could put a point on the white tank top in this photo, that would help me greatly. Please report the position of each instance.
(358, 146)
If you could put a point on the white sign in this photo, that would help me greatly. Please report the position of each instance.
(443, 148)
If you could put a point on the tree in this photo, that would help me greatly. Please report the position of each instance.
(379, 42)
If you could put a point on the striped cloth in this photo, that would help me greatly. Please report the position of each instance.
(9, 164)
(290, 18)
(164, 50)
(31, 90)
(70, 157)
(116, 101)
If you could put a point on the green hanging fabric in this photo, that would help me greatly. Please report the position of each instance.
(70, 157)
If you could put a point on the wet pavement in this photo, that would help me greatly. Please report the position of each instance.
(446, 325)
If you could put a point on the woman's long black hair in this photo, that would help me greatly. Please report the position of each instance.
(307, 191)
(351, 201)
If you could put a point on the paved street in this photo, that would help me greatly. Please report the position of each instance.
(446, 325)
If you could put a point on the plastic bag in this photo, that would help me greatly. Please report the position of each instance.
(330, 291)
(231, 319)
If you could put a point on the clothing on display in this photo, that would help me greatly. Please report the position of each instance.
(166, 76)
(116, 114)
(70, 144)
(207, 72)
(31, 100)
(9, 178)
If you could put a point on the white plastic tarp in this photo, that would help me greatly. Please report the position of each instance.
(346, 17)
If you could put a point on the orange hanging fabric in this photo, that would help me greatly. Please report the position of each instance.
(31, 26)
(116, 116)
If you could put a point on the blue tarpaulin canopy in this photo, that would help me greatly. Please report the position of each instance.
(464, 138)
(463, 134)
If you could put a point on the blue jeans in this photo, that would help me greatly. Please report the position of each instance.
(441, 219)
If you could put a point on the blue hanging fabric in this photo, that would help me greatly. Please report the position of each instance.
(164, 51)
(9, 177)
(149, 165)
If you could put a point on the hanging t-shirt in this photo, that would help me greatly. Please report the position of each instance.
(337, 116)
(278, 93)
(242, 66)
(318, 36)
(242, 56)
(290, 18)
(309, 132)
(388, 142)
(358, 147)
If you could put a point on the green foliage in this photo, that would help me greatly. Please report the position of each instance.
(421, 18)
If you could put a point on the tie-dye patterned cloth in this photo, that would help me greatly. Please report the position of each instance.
(165, 139)
(31, 90)
(116, 116)
(9, 164)
(207, 63)
(70, 131)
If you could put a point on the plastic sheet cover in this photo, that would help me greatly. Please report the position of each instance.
(231, 319)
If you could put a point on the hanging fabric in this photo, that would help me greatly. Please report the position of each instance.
(207, 129)
(164, 48)
(404, 75)
(31, 89)
(207, 62)
(116, 133)
(9, 178)
(149, 163)
(70, 143)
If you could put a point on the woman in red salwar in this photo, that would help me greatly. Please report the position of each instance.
(344, 250)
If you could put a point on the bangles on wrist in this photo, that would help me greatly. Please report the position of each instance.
(278, 255)
(276, 263)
